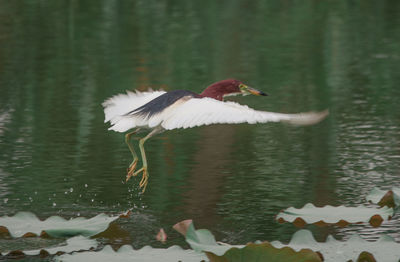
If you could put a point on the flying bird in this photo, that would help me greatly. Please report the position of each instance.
(158, 111)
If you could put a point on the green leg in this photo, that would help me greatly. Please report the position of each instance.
(145, 176)
(132, 166)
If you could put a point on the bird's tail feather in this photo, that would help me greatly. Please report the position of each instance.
(122, 124)
(116, 107)
(119, 105)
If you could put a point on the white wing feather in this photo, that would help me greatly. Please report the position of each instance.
(193, 112)
(207, 111)
(117, 106)
(121, 104)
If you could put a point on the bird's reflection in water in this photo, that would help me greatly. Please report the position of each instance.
(208, 174)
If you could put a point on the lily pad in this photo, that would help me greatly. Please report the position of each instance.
(77, 243)
(384, 250)
(390, 198)
(329, 215)
(26, 224)
(265, 252)
(203, 240)
(127, 253)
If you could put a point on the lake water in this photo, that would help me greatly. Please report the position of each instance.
(59, 60)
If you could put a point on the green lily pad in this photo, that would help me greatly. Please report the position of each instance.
(390, 198)
(384, 250)
(26, 224)
(329, 215)
(265, 252)
(77, 243)
(127, 253)
(203, 240)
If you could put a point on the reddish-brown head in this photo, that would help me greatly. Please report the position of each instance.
(229, 87)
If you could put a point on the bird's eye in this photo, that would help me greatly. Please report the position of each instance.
(242, 86)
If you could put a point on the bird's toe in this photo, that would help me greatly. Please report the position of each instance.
(131, 170)
(144, 180)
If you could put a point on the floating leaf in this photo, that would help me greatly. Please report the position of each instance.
(17, 254)
(203, 240)
(77, 243)
(341, 215)
(383, 250)
(127, 253)
(390, 198)
(27, 224)
(366, 257)
(265, 252)
(114, 232)
(73, 244)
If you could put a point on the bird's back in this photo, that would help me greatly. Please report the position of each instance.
(126, 111)
(160, 103)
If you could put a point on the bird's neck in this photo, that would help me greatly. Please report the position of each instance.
(221, 88)
(213, 92)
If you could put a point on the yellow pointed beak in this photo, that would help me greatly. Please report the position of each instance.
(249, 90)
(255, 92)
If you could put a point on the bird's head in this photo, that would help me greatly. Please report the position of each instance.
(229, 87)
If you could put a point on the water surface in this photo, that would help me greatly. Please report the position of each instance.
(59, 60)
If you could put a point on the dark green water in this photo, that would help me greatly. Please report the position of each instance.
(59, 60)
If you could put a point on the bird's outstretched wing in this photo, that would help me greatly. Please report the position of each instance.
(207, 111)
(117, 106)
(190, 112)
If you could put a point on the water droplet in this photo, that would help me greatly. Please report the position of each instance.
(54, 204)
(71, 190)
(80, 195)
(65, 192)
(54, 194)
(5, 200)
(86, 185)
(78, 214)
(30, 199)
(35, 192)
(95, 194)
(92, 200)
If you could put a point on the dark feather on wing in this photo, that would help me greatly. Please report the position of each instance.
(158, 104)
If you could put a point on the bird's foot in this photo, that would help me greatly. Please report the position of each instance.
(145, 177)
(131, 170)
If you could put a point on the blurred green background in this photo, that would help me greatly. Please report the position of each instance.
(59, 60)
